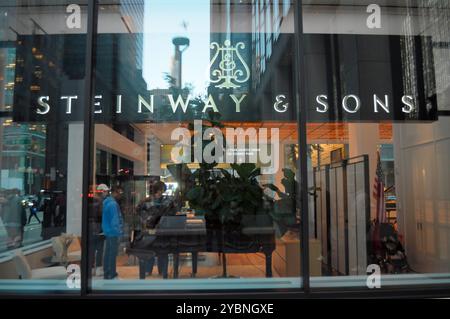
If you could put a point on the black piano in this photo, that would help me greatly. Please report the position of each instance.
(179, 234)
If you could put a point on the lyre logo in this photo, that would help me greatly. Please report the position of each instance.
(232, 69)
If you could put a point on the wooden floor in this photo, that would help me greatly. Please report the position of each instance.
(209, 265)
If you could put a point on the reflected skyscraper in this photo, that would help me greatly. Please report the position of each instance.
(132, 15)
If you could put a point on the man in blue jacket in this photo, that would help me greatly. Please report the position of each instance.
(112, 225)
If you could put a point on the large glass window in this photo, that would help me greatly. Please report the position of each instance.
(196, 145)
(196, 160)
(42, 52)
(377, 89)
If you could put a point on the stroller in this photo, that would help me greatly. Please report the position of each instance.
(390, 255)
(394, 256)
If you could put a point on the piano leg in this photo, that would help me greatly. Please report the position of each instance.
(268, 264)
(176, 262)
(194, 263)
(142, 266)
(163, 262)
(224, 266)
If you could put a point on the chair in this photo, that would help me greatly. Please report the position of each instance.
(25, 272)
(58, 249)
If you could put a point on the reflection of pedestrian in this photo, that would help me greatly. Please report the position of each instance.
(13, 218)
(60, 210)
(33, 211)
(3, 201)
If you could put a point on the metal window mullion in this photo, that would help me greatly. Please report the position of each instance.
(300, 104)
(88, 136)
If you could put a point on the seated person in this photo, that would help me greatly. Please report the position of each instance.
(150, 211)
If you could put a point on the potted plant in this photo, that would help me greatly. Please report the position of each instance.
(230, 200)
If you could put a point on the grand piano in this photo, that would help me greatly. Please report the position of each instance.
(180, 234)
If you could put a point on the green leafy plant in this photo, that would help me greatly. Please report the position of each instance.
(229, 198)
(241, 193)
(226, 197)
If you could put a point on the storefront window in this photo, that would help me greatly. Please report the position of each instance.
(42, 52)
(379, 141)
(196, 145)
(227, 150)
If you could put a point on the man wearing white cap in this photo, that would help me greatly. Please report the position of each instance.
(112, 226)
(97, 238)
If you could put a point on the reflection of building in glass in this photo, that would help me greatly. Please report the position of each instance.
(133, 17)
(23, 146)
(7, 78)
(267, 20)
(23, 157)
(438, 49)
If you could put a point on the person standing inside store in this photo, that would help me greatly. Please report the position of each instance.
(150, 211)
(97, 239)
(112, 225)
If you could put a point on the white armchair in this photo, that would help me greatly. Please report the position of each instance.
(25, 272)
(59, 250)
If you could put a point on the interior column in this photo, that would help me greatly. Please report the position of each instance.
(74, 178)
(154, 163)
(364, 139)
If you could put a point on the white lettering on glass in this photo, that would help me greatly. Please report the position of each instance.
(408, 100)
(280, 106)
(97, 104)
(322, 100)
(345, 103)
(238, 101)
(73, 21)
(213, 152)
(73, 281)
(142, 101)
(374, 19)
(384, 105)
(350, 104)
(248, 145)
(181, 152)
(180, 101)
(69, 99)
(42, 101)
(119, 104)
(374, 277)
(210, 104)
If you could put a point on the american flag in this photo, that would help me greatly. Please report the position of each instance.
(378, 192)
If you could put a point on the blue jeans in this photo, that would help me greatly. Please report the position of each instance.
(99, 243)
(146, 265)
(109, 261)
(96, 245)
